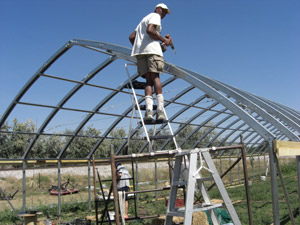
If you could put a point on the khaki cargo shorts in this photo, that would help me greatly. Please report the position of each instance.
(149, 63)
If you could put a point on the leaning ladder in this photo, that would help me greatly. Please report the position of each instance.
(195, 176)
(141, 85)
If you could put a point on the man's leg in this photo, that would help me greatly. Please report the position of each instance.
(148, 97)
(159, 97)
(126, 209)
(157, 83)
(126, 202)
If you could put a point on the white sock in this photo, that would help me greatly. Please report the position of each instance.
(160, 101)
(149, 102)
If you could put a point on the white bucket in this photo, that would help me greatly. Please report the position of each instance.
(111, 215)
(263, 178)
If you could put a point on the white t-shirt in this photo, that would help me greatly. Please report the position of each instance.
(125, 174)
(143, 43)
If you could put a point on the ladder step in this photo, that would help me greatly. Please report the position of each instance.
(160, 137)
(206, 207)
(176, 213)
(143, 107)
(179, 183)
(199, 208)
(153, 122)
(136, 85)
(205, 178)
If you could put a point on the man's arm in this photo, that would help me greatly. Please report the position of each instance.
(132, 37)
(151, 31)
(119, 175)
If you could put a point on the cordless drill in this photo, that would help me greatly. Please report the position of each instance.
(164, 47)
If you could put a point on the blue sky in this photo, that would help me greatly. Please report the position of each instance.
(253, 45)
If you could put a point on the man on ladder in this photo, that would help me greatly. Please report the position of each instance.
(149, 54)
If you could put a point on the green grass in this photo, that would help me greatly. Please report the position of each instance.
(261, 199)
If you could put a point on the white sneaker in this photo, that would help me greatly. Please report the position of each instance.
(148, 115)
(160, 115)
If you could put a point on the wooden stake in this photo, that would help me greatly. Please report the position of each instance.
(246, 181)
(95, 189)
(115, 191)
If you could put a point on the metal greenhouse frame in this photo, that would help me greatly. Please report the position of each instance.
(224, 111)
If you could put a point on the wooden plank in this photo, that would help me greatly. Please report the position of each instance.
(287, 148)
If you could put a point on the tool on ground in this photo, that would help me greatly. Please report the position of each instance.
(164, 47)
(64, 190)
(10, 196)
(2, 193)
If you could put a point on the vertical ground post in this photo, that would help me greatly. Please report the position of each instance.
(286, 195)
(133, 183)
(246, 181)
(137, 179)
(89, 184)
(274, 184)
(95, 189)
(59, 188)
(156, 179)
(115, 191)
(298, 175)
(24, 185)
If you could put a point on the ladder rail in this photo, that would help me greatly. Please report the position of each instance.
(189, 208)
(173, 191)
(130, 128)
(221, 188)
(204, 191)
(171, 131)
(138, 106)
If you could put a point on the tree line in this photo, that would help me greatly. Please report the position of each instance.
(15, 139)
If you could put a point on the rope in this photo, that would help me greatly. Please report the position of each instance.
(121, 197)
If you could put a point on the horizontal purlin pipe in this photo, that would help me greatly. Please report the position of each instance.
(150, 190)
(123, 158)
(167, 153)
(121, 91)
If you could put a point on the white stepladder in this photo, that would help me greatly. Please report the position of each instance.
(141, 85)
(195, 176)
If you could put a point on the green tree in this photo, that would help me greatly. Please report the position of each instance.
(15, 143)
(190, 135)
(4, 141)
(47, 147)
(118, 135)
(81, 146)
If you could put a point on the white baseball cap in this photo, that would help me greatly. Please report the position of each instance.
(163, 6)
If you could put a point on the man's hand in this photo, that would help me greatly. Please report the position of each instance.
(119, 175)
(132, 37)
(167, 40)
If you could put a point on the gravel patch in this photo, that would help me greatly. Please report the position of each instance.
(105, 170)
